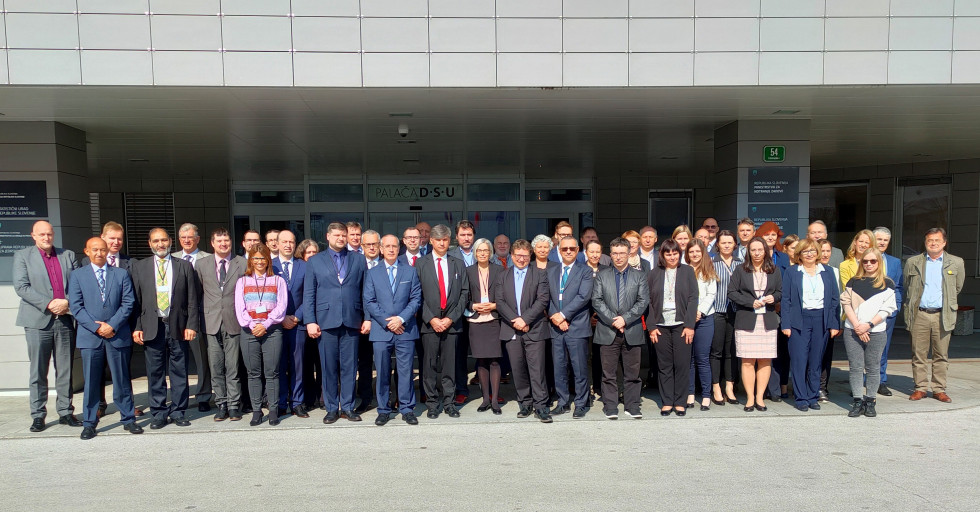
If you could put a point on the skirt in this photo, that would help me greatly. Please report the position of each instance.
(756, 344)
(485, 339)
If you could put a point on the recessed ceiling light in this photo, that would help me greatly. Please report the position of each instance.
(786, 112)
(400, 114)
(139, 160)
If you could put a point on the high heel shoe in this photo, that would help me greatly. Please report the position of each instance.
(733, 401)
(666, 412)
(484, 407)
(680, 412)
(717, 402)
(704, 406)
(749, 408)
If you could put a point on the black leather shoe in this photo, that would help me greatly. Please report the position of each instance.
(496, 411)
(524, 412)
(133, 428)
(181, 421)
(733, 401)
(483, 407)
(235, 415)
(761, 408)
(452, 411)
(776, 398)
(869, 408)
(256, 418)
(364, 407)
(705, 408)
(410, 418)
(680, 412)
(331, 417)
(580, 412)
(222, 413)
(666, 413)
(203, 407)
(274, 419)
(561, 409)
(70, 420)
(543, 415)
(88, 433)
(382, 420)
(300, 412)
(432, 414)
(157, 424)
(815, 407)
(884, 391)
(717, 402)
(857, 408)
(37, 425)
(748, 408)
(350, 415)
(802, 408)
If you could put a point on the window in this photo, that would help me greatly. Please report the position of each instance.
(925, 204)
(292, 196)
(556, 194)
(332, 193)
(669, 209)
(843, 207)
(145, 211)
(493, 192)
(319, 222)
(489, 224)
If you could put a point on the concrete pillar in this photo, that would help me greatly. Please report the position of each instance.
(746, 185)
(55, 154)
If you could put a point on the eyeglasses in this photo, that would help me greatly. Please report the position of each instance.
(567, 249)
(809, 251)
(520, 256)
(870, 262)
(258, 259)
(411, 237)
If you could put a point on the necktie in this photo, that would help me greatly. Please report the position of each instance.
(503, 261)
(622, 288)
(391, 278)
(519, 284)
(112, 261)
(372, 264)
(163, 298)
(222, 274)
(188, 258)
(564, 279)
(413, 260)
(337, 261)
(101, 276)
(442, 284)
(285, 270)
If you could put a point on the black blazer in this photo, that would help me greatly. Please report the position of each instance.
(473, 276)
(534, 304)
(685, 294)
(184, 308)
(456, 300)
(741, 291)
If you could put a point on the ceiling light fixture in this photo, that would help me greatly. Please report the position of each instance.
(784, 112)
(400, 114)
(139, 160)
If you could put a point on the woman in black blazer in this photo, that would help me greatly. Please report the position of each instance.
(484, 323)
(755, 289)
(671, 319)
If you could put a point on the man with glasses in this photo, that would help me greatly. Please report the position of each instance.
(272, 241)
(711, 226)
(411, 239)
(570, 287)
(563, 229)
(293, 271)
(370, 244)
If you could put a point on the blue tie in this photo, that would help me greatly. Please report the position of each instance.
(285, 270)
(391, 277)
(564, 279)
(519, 285)
(100, 275)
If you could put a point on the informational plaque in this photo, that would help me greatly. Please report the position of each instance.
(23, 199)
(774, 184)
(15, 235)
(418, 193)
(785, 215)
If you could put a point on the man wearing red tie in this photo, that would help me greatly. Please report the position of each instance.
(445, 292)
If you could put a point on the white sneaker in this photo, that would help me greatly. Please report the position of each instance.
(634, 414)
(612, 415)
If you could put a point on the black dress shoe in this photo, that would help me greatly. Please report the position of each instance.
(247, 409)
(133, 428)
(884, 391)
(256, 418)
(733, 401)
(690, 405)
(666, 413)
(331, 417)
(524, 412)
(761, 408)
(181, 421)
(235, 415)
(452, 411)
(561, 409)
(483, 407)
(274, 419)
(705, 408)
(717, 402)
(222, 413)
(815, 407)
(203, 407)
(37, 425)
(749, 408)
(543, 415)
(350, 415)
(300, 412)
(580, 412)
(157, 424)
(776, 399)
(410, 418)
(88, 433)
(432, 414)
(382, 419)
(70, 420)
(497, 411)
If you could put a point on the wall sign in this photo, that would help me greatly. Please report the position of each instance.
(774, 184)
(783, 214)
(15, 235)
(23, 199)
(415, 193)
(773, 153)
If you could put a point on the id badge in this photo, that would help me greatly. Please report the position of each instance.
(760, 311)
(260, 309)
(163, 289)
(484, 299)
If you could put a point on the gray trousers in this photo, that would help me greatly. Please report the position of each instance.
(223, 354)
(864, 357)
(42, 344)
(262, 357)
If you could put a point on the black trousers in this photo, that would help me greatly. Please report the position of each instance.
(611, 355)
(674, 366)
(166, 356)
(724, 362)
(438, 368)
(365, 369)
(528, 361)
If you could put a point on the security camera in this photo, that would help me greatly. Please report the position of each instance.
(403, 130)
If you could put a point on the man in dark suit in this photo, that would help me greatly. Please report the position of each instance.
(101, 299)
(293, 271)
(425, 240)
(893, 268)
(392, 295)
(189, 238)
(522, 302)
(166, 289)
(464, 251)
(40, 277)
(334, 316)
(620, 296)
(445, 292)
(411, 253)
(370, 246)
(218, 274)
(570, 287)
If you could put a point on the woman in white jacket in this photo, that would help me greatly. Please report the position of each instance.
(868, 300)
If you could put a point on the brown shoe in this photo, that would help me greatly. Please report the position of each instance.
(137, 412)
(942, 397)
(917, 395)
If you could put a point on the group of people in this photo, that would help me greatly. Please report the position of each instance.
(306, 327)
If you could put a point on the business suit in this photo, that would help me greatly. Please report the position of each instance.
(199, 345)
(364, 388)
(291, 391)
(380, 303)
(122, 261)
(332, 300)
(931, 329)
(220, 326)
(439, 348)
(893, 269)
(615, 345)
(741, 293)
(47, 335)
(809, 330)
(527, 350)
(163, 337)
(673, 353)
(571, 347)
(113, 305)
(463, 340)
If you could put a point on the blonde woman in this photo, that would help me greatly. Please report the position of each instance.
(635, 261)
(861, 242)
(683, 236)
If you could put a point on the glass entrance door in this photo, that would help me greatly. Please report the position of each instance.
(395, 217)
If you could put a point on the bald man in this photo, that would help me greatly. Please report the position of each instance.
(40, 277)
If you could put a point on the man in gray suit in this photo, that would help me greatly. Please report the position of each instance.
(620, 296)
(190, 238)
(218, 274)
(816, 231)
(40, 276)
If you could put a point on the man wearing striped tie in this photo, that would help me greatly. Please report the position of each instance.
(189, 238)
(168, 320)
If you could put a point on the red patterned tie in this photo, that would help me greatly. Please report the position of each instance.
(442, 284)
(413, 260)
